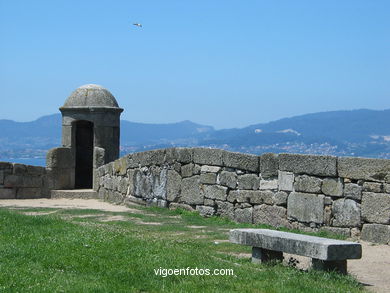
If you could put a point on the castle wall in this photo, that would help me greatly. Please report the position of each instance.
(22, 181)
(349, 196)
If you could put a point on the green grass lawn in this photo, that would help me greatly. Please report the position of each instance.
(82, 251)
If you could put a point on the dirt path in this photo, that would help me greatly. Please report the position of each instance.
(372, 270)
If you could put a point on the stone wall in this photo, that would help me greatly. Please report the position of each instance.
(22, 181)
(349, 196)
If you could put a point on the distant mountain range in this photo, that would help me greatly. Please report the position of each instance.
(345, 133)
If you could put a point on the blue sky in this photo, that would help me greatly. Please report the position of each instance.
(221, 63)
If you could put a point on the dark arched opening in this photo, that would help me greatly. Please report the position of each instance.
(84, 154)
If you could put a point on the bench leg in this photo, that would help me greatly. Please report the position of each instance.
(260, 255)
(339, 266)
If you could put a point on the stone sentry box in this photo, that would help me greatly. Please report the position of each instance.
(90, 138)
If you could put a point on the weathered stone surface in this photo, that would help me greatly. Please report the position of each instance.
(376, 207)
(98, 157)
(332, 186)
(328, 200)
(160, 178)
(268, 184)
(241, 161)
(386, 188)
(208, 178)
(228, 179)
(35, 170)
(19, 169)
(306, 183)
(205, 211)
(205, 156)
(209, 169)
(263, 196)
(108, 168)
(285, 180)
(372, 187)
(29, 193)
(269, 165)
(243, 215)
(5, 165)
(187, 170)
(239, 195)
(13, 181)
(353, 191)
(154, 157)
(270, 215)
(173, 185)
(225, 209)
(362, 168)
(376, 233)
(280, 198)
(120, 166)
(60, 158)
(190, 191)
(175, 205)
(248, 181)
(311, 246)
(181, 155)
(346, 213)
(308, 164)
(305, 207)
(7, 193)
(338, 231)
(209, 202)
(215, 192)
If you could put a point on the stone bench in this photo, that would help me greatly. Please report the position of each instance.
(327, 254)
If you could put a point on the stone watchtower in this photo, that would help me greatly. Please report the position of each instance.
(90, 137)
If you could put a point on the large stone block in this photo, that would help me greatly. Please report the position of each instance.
(181, 155)
(241, 161)
(5, 166)
(346, 213)
(228, 179)
(205, 211)
(366, 169)
(205, 156)
(187, 170)
(306, 207)
(376, 207)
(1, 177)
(209, 169)
(7, 193)
(215, 192)
(270, 215)
(239, 195)
(35, 170)
(285, 181)
(308, 164)
(280, 198)
(154, 157)
(332, 187)
(13, 181)
(19, 169)
(190, 191)
(208, 178)
(248, 181)
(225, 209)
(99, 157)
(260, 197)
(353, 191)
(372, 187)
(243, 215)
(60, 158)
(268, 184)
(376, 233)
(24, 193)
(269, 165)
(309, 184)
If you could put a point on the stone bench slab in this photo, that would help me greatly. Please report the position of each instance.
(311, 246)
